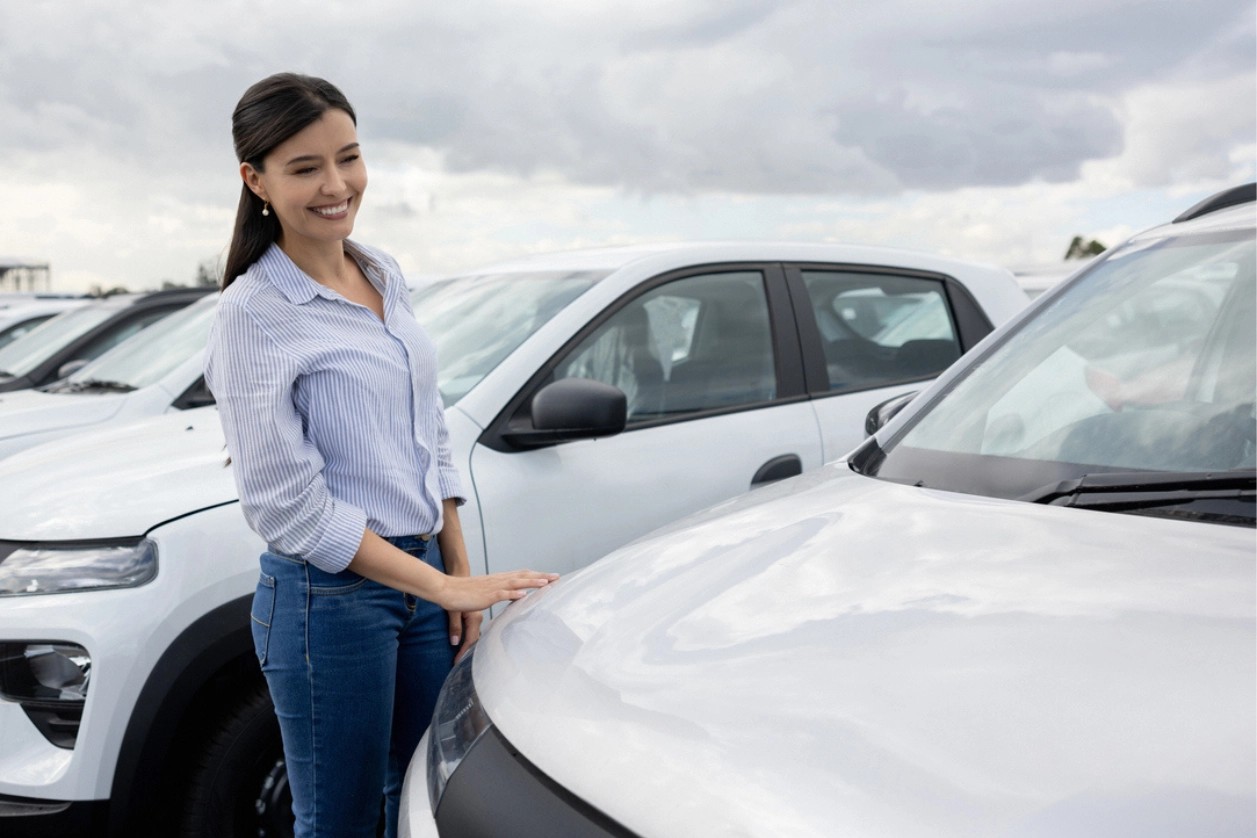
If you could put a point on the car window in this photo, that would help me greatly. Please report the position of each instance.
(878, 330)
(694, 344)
(119, 332)
(15, 331)
(156, 351)
(477, 321)
(34, 348)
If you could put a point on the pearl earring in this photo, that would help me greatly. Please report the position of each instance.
(266, 208)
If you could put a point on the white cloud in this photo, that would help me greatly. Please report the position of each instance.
(991, 129)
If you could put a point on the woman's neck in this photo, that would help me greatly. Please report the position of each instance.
(324, 262)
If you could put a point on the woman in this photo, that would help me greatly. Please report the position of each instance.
(327, 390)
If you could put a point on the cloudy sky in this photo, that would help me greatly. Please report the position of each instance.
(986, 130)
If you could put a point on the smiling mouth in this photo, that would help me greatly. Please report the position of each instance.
(332, 212)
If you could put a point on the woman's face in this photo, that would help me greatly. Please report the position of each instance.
(314, 181)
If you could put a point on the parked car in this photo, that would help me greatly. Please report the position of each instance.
(20, 314)
(1036, 279)
(153, 371)
(1023, 608)
(64, 343)
(127, 570)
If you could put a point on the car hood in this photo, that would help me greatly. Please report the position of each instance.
(840, 655)
(32, 411)
(116, 482)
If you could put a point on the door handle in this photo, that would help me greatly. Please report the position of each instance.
(778, 468)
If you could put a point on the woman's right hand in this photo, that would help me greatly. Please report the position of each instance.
(476, 593)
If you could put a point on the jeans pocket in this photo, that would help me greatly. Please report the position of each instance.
(261, 614)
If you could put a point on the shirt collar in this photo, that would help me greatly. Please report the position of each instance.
(298, 287)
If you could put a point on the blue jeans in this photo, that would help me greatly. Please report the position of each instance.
(354, 668)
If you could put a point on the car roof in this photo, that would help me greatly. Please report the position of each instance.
(695, 252)
(143, 298)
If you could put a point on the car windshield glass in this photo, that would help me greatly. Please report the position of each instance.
(13, 331)
(150, 354)
(476, 321)
(1144, 365)
(33, 348)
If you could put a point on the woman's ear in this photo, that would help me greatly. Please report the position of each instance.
(253, 179)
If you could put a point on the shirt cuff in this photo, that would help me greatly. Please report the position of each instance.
(451, 485)
(339, 543)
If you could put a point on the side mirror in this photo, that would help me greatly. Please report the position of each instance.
(883, 412)
(569, 409)
(71, 367)
(198, 395)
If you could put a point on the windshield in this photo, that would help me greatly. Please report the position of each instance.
(476, 321)
(147, 356)
(12, 332)
(1146, 364)
(33, 348)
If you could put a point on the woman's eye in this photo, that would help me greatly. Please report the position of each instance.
(350, 159)
(304, 170)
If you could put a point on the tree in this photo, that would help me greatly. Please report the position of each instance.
(207, 273)
(1080, 249)
(98, 290)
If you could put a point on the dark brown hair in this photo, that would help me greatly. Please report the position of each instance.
(270, 112)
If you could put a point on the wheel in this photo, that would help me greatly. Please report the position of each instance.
(239, 786)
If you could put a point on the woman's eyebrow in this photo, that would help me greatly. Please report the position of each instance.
(307, 158)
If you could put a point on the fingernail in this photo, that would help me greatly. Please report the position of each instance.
(454, 638)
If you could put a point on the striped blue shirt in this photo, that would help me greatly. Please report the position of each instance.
(332, 417)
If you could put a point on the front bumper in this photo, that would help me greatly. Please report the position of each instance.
(201, 565)
(496, 791)
(415, 819)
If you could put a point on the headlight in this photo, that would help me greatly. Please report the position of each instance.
(54, 568)
(457, 724)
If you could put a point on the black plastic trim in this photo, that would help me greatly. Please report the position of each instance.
(787, 351)
(188, 664)
(778, 468)
(1243, 194)
(496, 791)
(29, 817)
(197, 394)
(972, 324)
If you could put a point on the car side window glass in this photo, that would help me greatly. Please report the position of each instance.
(877, 330)
(695, 344)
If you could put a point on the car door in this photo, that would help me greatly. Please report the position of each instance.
(870, 333)
(709, 363)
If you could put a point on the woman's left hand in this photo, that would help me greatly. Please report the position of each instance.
(464, 630)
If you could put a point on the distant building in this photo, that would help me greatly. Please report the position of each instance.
(16, 275)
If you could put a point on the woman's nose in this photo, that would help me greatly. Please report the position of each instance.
(333, 183)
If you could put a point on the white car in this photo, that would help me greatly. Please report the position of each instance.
(155, 370)
(67, 341)
(127, 570)
(21, 313)
(1025, 607)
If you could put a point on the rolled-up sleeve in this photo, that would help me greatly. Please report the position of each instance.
(447, 473)
(278, 472)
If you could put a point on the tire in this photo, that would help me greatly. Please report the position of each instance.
(239, 786)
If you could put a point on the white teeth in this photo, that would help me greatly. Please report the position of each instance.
(336, 210)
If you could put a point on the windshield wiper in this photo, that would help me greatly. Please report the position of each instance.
(88, 385)
(1224, 497)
